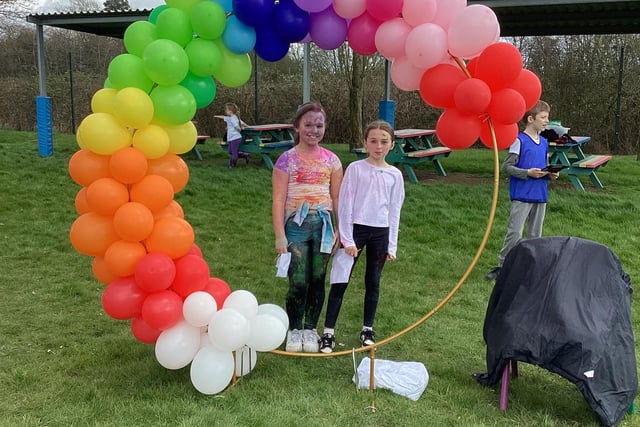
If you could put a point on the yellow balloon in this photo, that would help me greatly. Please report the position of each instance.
(133, 107)
(102, 100)
(102, 134)
(183, 137)
(152, 141)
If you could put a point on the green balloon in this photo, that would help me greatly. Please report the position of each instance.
(234, 70)
(208, 20)
(165, 62)
(138, 35)
(203, 89)
(185, 5)
(153, 16)
(204, 57)
(126, 70)
(173, 105)
(174, 24)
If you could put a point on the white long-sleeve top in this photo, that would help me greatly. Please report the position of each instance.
(373, 196)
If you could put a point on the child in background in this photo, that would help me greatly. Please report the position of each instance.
(371, 197)
(528, 182)
(306, 182)
(234, 137)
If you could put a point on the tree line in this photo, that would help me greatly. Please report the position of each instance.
(592, 83)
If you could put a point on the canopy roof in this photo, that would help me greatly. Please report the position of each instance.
(516, 17)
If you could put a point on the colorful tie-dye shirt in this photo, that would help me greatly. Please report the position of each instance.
(309, 179)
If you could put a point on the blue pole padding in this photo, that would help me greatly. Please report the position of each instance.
(387, 111)
(45, 126)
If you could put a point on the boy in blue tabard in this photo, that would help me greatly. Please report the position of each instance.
(528, 182)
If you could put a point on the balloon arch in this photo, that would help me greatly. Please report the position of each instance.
(129, 168)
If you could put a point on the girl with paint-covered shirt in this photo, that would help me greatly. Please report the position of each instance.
(306, 184)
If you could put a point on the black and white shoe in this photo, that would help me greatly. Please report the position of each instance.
(366, 337)
(327, 343)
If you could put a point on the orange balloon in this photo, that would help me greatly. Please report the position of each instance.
(172, 236)
(122, 257)
(101, 271)
(106, 195)
(91, 234)
(172, 167)
(128, 165)
(133, 221)
(85, 166)
(153, 191)
(81, 204)
(172, 209)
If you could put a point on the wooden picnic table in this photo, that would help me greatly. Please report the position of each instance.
(578, 163)
(413, 146)
(265, 140)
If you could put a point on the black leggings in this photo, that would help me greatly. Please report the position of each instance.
(376, 239)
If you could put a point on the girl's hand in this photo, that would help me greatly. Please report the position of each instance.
(390, 257)
(351, 250)
(282, 244)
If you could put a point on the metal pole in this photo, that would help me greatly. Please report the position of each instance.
(42, 73)
(387, 79)
(616, 132)
(306, 74)
(73, 103)
(256, 110)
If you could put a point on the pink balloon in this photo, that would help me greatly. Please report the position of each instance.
(384, 10)
(446, 10)
(417, 12)
(405, 75)
(426, 45)
(472, 96)
(327, 29)
(313, 6)
(472, 30)
(391, 37)
(349, 9)
(362, 34)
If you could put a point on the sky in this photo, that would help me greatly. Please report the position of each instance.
(49, 6)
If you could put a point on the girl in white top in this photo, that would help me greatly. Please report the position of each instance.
(234, 137)
(371, 197)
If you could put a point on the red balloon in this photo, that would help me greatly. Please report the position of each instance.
(155, 272)
(384, 9)
(122, 299)
(192, 275)
(218, 289)
(507, 106)
(143, 332)
(499, 65)
(505, 135)
(529, 86)
(456, 130)
(195, 250)
(472, 96)
(438, 84)
(361, 34)
(162, 310)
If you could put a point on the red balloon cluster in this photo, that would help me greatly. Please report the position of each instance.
(492, 88)
(142, 247)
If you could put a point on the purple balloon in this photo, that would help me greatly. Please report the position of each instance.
(313, 6)
(328, 30)
(291, 22)
(256, 13)
(269, 45)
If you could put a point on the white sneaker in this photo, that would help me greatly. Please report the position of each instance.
(310, 340)
(294, 341)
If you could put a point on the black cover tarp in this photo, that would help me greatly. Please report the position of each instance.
(564, 303)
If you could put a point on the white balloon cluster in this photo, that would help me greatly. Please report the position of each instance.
(208, 337)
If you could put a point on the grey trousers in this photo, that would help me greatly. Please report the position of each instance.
(521, 212)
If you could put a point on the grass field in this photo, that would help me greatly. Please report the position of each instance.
(64, 362)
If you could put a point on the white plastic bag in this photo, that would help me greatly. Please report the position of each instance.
(282, 264)
(407, 379)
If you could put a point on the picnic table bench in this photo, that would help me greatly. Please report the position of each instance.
(201, 140)
(579, 164)
(413, 146)
(265, 140)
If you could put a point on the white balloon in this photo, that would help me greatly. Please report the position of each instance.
(243, 301)
(276, 311)
(246, 359)
(177, 346)
(229, 329)
(267, 333)
(211, 370)
(198, 308)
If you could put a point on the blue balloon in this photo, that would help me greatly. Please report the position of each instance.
(227, 5)
(238, 37)
(291, 22)
(269, 45)
(256, 13)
